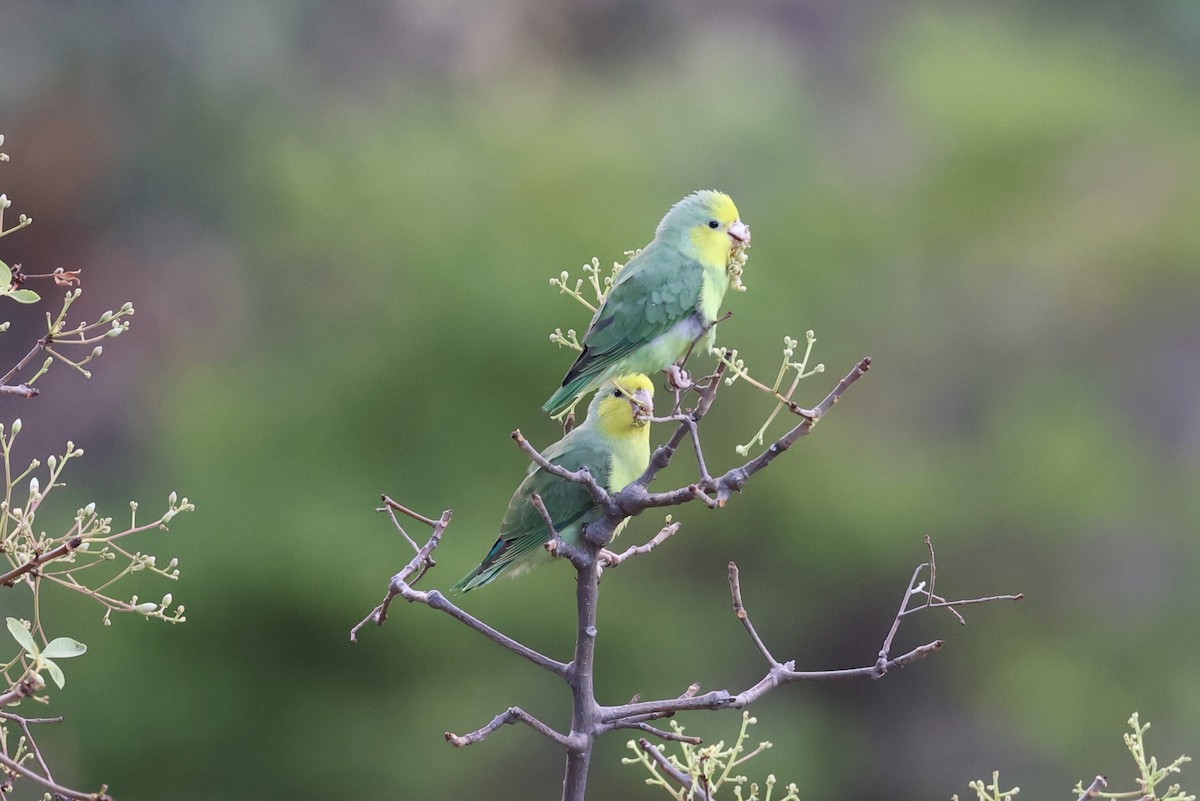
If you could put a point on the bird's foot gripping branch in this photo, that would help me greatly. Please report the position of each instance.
(590, 556)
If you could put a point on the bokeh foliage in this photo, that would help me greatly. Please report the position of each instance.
(338, 223)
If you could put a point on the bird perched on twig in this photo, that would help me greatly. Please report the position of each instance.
(663, 300)
(613, 443)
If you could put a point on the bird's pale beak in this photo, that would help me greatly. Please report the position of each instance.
(740, 231)
(643, 407)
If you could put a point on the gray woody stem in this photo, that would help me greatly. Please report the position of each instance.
(589, 718)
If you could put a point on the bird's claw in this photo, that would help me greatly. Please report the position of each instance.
(678, 378)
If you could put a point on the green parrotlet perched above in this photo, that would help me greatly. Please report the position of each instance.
(613, 443)
(665, 298)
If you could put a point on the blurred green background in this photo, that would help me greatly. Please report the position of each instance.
(337, 222)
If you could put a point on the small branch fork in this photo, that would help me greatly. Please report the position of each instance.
(637, 714)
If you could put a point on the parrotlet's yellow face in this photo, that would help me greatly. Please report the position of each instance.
(707, 224)
(626, 404)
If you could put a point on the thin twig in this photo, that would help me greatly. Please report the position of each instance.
(659, 733)
(734, 479)
(37, 348)
(20, 390)
(514, 714)
(556, 545)
(406, 511)
(50, 784)
(1094, 789)
(610, 559)
(655, 753)
(739, 609)
(582, 476)
(10, 578)
(421, 562)
(778, 673)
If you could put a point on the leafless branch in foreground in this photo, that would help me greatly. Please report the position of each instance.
(591, 719)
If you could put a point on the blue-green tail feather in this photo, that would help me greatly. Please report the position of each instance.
(567, 394)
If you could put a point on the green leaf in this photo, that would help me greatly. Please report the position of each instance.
(24, 296)
(5, 277)
(55, 673)
(22, 635)
(63, 648)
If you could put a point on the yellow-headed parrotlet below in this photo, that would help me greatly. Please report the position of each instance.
(613, 443)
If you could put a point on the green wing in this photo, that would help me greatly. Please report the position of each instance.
(523, 530)
(649, 299)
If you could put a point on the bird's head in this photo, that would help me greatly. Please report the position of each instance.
(704, 225)
(624, 405)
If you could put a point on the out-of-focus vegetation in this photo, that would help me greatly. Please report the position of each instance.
(338, 222)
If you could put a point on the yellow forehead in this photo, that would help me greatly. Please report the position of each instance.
(632, 383)
(721, 206)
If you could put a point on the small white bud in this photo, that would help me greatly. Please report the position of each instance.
(90, 509)
(145, 608)
(171, 499)
(34, 486)
(16, 426)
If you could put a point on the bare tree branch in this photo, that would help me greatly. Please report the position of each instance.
(400, 586)
(10, 578)
(583, 476)
(610, 559)
(419, 564)
(739, 609)
(664, 764)
(514, 714)
(20, 390)
(660, 733)
(590, 719)
(781, 673)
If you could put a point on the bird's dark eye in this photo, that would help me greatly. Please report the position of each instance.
(713, 224)
(616, 393)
